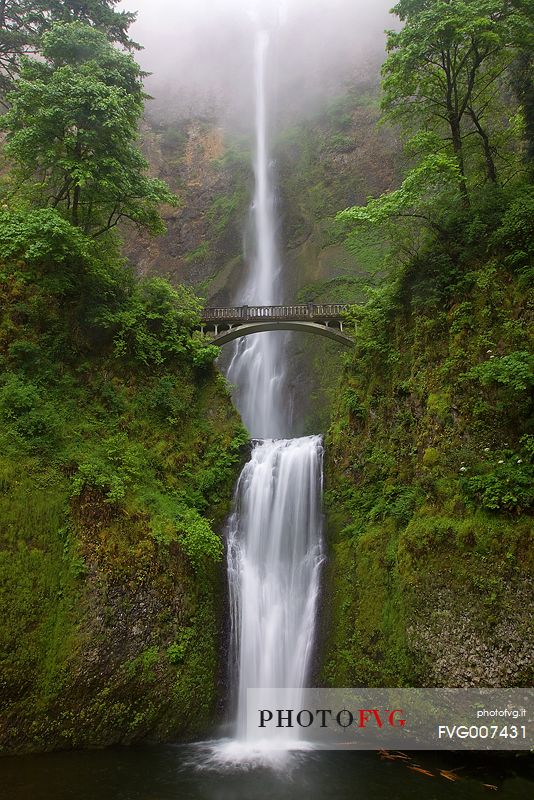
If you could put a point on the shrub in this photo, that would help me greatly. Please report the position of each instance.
(154, 327)
(115, 467)
(197, 539)
(516, 232)
(514, 371)
(508, 483)
(24, 410)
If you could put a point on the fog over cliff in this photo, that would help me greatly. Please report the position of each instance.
(200, 51)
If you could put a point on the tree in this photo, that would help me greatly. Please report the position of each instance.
(73, 126)
(415, 199)
(523, 84)
(22, 23)
(444, 69)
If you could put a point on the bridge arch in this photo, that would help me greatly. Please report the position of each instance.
(246, 329)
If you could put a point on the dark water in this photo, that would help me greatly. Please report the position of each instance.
(167, 773)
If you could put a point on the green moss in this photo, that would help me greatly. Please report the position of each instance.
(200, 253)
(117, 470)
(438, 404)
(430, 457)
(428, 464)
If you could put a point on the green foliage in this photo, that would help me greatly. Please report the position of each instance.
(143, 665)
(23, 24)
(101, 473)
(41, 238)
(222, 211)
(155, 327)
(30, 421)
(355, 407)
(506, 481)
(116, 466)
(515, 233)
(177, 651)
(173, 521)
(197, 539)
(73, 121)
(116, 437)
(430, 179)
(430, 456)
(168, 398)
(444, 73)
(514, 371)
(443, 79)
(200, 253)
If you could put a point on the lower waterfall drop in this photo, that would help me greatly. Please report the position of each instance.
(274, 560)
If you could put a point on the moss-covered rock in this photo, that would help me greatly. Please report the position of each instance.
(119, 449)
(429, 460)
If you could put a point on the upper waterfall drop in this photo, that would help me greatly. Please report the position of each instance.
(257, 367)
(262, 281)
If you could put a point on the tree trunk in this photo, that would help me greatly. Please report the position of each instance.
(490, 163)
(459, 153)
(76, 206)
(77, 191)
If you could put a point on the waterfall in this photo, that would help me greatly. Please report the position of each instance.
(274, 556)
(274, 534)
(257, 367)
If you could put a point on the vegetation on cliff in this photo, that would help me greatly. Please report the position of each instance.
(430, 455)
(119, 445)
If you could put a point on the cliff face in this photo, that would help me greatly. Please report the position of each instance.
(203, 243)
(110, 629)
(429, 478)
(334, 161)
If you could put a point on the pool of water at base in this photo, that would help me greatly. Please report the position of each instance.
(186, 772)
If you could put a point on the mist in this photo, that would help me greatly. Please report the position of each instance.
(199, 52)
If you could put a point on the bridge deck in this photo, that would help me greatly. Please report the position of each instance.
(290, 313)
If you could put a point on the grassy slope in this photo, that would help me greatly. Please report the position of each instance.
(110, 613)
(428, 478)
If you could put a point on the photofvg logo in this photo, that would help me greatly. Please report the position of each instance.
(420, 719)
(326, 717)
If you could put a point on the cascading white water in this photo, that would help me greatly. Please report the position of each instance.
(275, 537)
(274, 557)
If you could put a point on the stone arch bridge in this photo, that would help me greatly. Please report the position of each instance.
(226, 324)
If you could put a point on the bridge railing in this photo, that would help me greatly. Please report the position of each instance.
(304, 311)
